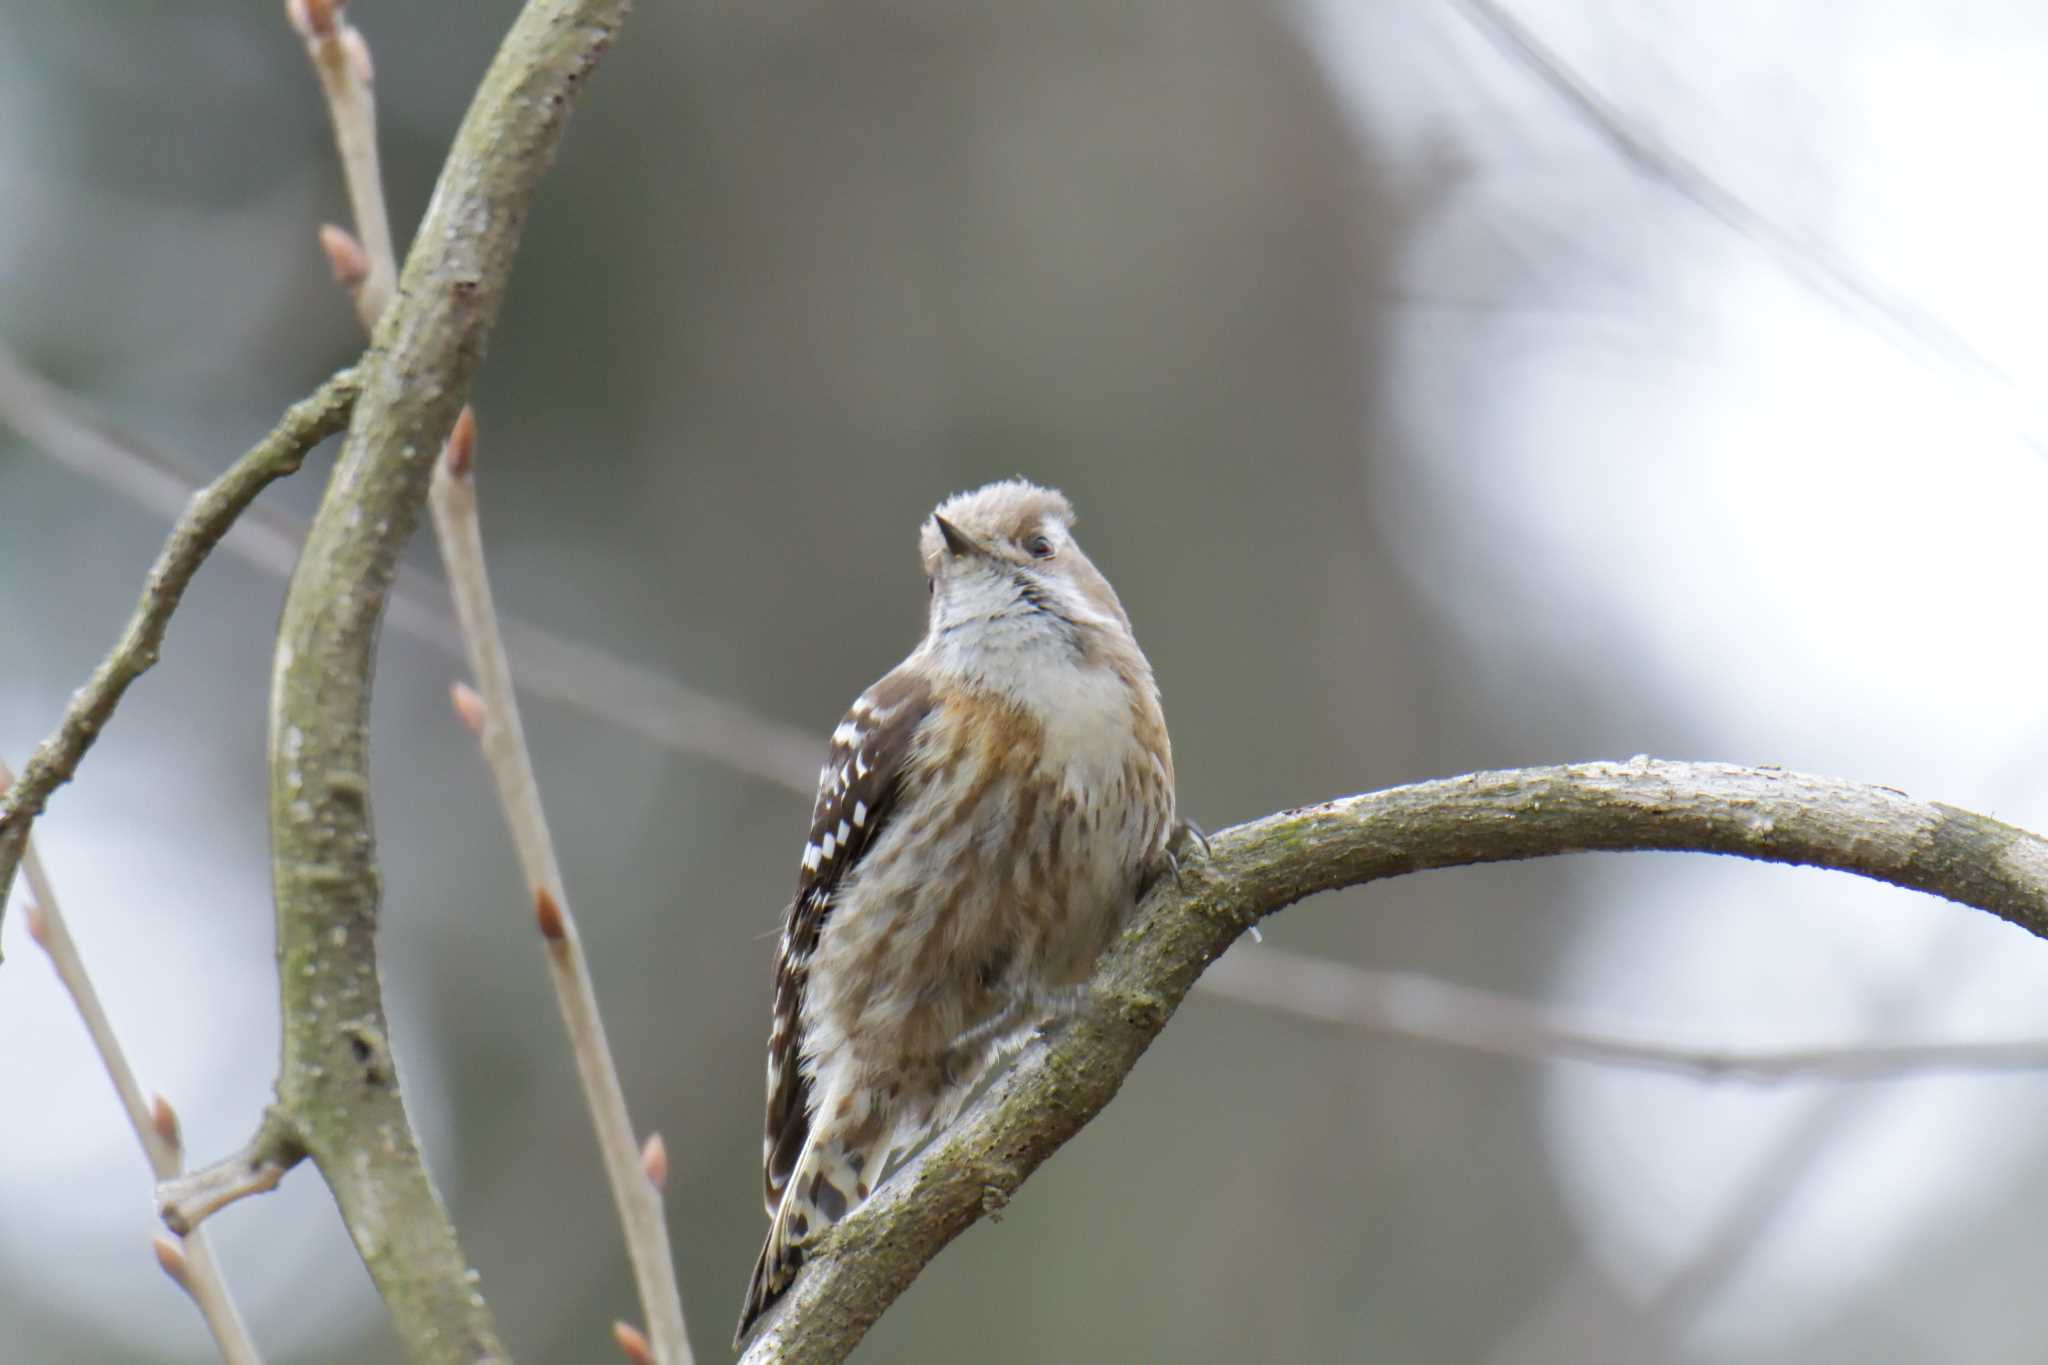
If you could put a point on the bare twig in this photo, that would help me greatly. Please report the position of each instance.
(1572, 1321)
(1412, 1005)
(68, 431)
(663, 711)
(338, 1095)
(1767, 1189)
(547, 665)
(188, 1261)
(186, 1201)
(503, 738)
(342, 57)
(206, 518)
(1065, 1077)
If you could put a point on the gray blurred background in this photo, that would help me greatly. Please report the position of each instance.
(1419, 429)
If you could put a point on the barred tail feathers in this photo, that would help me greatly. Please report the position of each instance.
(831, 1178)
(839, 1165)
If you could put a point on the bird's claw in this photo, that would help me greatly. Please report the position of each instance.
(1185, 833)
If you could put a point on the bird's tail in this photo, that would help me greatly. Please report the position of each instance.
(832, 1177)
(839, 1165)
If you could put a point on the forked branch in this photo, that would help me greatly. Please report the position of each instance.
(187, 1258)
(364, 262)
(209, 514)
(337, 1091)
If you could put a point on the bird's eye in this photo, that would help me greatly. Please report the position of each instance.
(1039, 547)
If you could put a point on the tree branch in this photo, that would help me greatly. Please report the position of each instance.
(186, 1201)
(554, 667)
(1808, 261)
(341, 61)
(1066, 1076)
(503, 740)
(341, 57)
(337, 1089)
(207, 517)
(1428, 1010)
(187, 1259)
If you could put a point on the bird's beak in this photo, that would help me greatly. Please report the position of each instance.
(957, 540)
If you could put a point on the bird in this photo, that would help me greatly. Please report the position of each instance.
(988, 816)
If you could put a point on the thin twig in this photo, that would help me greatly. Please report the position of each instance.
(1066, 1076)
(342, 56)
(192, 1264)
(657, 708)
(1904, 322)
(503, 739)
(338, 1091)
(1771, 1179)
(1572, 1320)
(65, 429)
(206, 519)
(341, 59)
(186, 1201)
(1430, 1010)
(553, 667)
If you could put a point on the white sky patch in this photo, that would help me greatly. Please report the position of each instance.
(178, 940)
(1820, 546)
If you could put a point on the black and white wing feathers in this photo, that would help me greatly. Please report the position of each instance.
(857, 792)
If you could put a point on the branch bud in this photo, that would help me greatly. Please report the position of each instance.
(461, 448)
(38, 924)
(312, 18)
(164, 1119)
(654, 1161)
(632, 1343)
(170, 1254)
(345, 256)
(469, 707)
(549, 912)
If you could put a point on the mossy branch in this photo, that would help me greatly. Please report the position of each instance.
(1066, 1076)
(338, 1099)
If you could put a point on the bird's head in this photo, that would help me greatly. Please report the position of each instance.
(1003, 563)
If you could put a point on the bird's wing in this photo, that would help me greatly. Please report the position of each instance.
(857, 793)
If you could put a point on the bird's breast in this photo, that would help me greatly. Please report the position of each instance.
(1032, 819)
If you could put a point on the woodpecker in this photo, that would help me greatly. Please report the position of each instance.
(987, 817)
